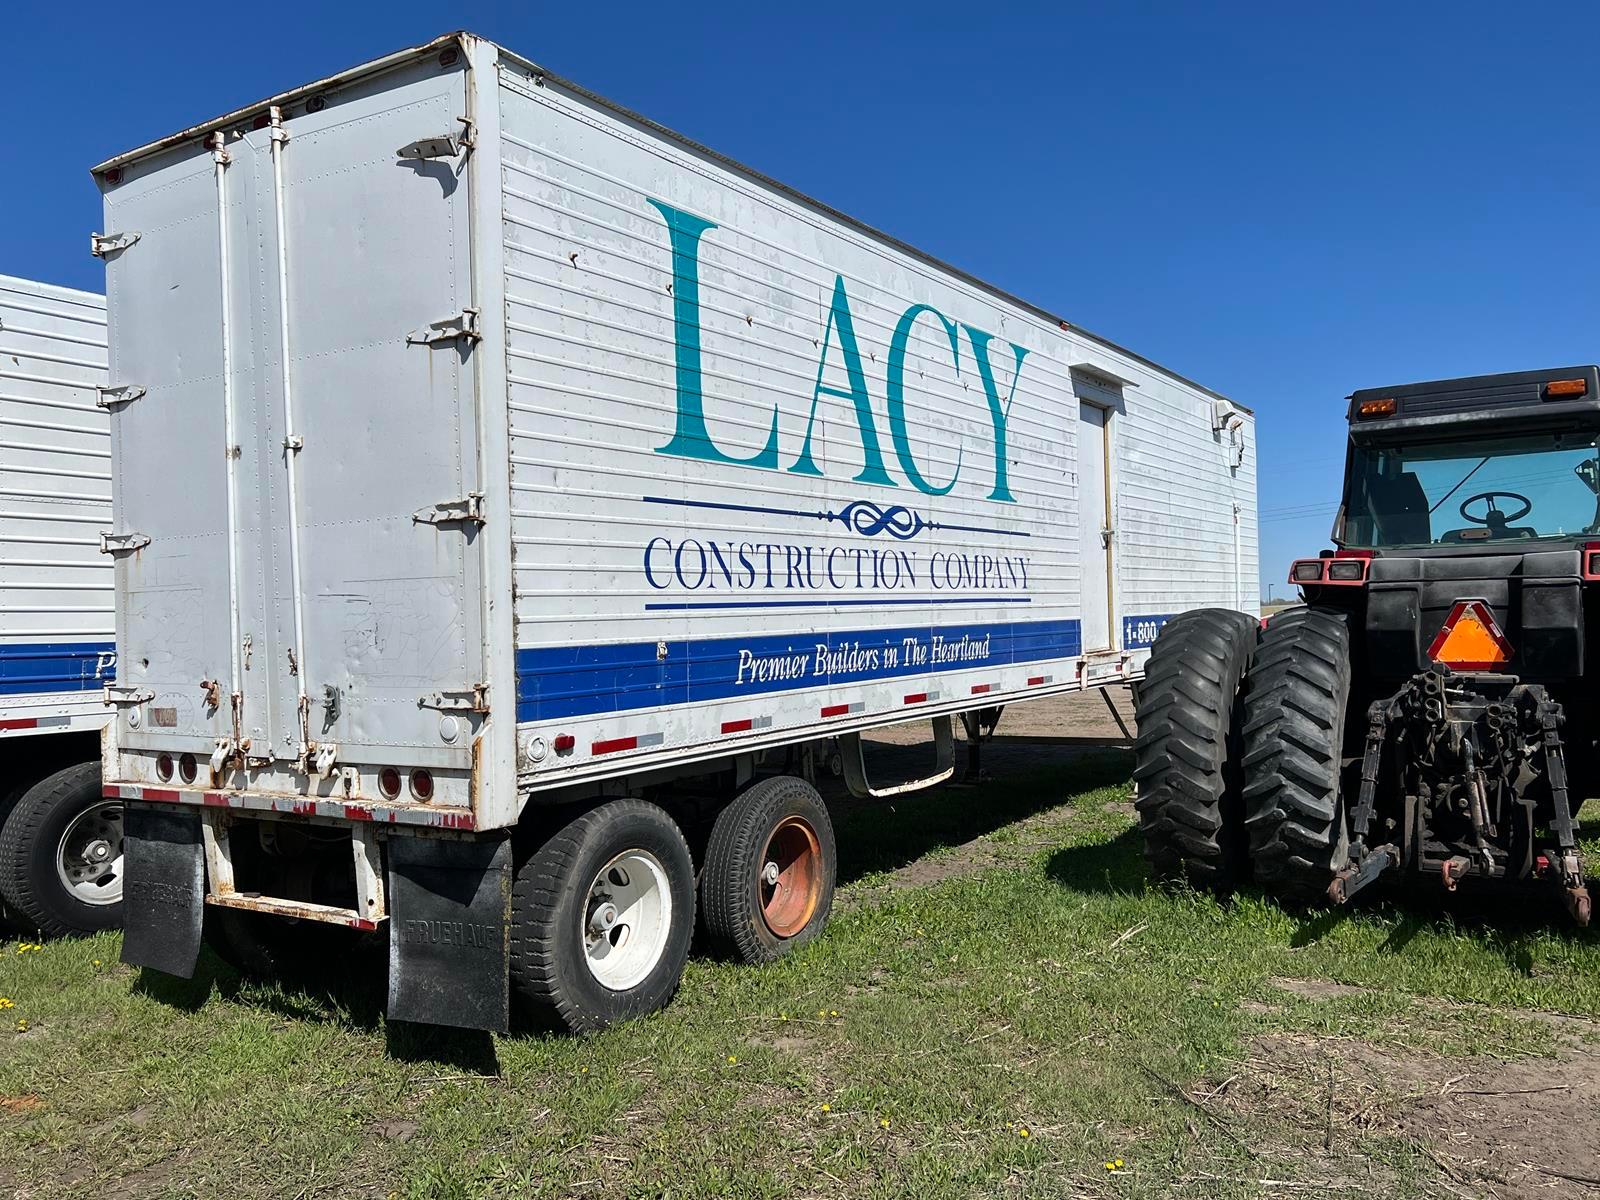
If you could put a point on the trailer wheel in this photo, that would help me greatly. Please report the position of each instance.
(767, 883)
(1294, 739)
(602, 914)
(1186, 756)
(61, 855)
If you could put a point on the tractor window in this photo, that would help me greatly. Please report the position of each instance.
(1461, 492)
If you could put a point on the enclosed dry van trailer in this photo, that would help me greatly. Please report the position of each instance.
(500, 457)
(60, 840)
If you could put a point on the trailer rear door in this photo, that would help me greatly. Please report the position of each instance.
(313, 531)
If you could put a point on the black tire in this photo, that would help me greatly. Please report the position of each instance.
(30, 844)
(551, 907)
(1186, 756)
(1294, 730)
(10, 919)
(780, 820)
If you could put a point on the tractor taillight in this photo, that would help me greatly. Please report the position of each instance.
(1306, 570)
(1470, 639)
(1591, 562)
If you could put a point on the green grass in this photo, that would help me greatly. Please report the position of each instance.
(1038, 985)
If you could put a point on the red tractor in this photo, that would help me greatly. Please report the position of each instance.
(1429, 711)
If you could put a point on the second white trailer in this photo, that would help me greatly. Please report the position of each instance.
(498, 449)
(60, 840)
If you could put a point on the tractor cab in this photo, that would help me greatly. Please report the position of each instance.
(1485, 488)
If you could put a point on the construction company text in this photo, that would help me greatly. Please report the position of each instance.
(710, 565)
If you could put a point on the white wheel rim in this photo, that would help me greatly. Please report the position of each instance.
(89, 858)
(626, 919)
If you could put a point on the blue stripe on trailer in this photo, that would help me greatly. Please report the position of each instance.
(26, 669)
(575, 681)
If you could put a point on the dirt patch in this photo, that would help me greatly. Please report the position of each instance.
(1316, 989)
(20, 1105)
(1494, 1127)
(398, 1129)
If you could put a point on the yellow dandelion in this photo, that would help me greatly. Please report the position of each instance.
(1118, 1162)
(822, 1014)
(583, 1070)
(6, 1002)
(1110, 1166)
(97, 962)
(834, 1013)
(827, 1108)
(733, 1058)
(883, 1122)
(22, 1024)
(1022, 1133)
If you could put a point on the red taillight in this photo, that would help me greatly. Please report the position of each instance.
(389, 783)
(1591, 561)
(564, 742)
(164, 767)
(422, 785)
(187, 768)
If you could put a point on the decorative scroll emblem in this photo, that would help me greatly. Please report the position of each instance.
(859, 516)
(867, 519)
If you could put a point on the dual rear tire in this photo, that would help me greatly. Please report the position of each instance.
(1239, 756)
(603, 908)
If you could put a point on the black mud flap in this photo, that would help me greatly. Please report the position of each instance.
(449, 925)
(163, 888)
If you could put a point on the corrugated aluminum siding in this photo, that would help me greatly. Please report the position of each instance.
(55, 498)
(593, 365)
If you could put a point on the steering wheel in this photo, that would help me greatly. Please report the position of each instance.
(1492, 516)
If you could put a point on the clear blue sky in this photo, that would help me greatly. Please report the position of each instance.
(1285, 202)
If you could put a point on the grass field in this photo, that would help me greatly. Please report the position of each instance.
(1000, 1007)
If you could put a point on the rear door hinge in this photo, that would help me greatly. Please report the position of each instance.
(467, 508)
(118, 695)
(102, 244)
(474, 699)
(461, 326)
(445, 145)
(115, 543)
(122, 393)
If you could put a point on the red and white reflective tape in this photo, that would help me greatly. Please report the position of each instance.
(979, 689)
(34, 723)
(747, 724)
(1038, 680)
(923, 697)
(642, 741)
(338, 810)
(840, 710)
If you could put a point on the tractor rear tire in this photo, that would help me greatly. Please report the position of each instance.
(1186, 756)
(1294, 742)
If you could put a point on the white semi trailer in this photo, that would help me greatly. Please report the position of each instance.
(518, 506)
(60, 839)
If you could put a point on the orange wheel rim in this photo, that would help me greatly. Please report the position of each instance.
(790, 884)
